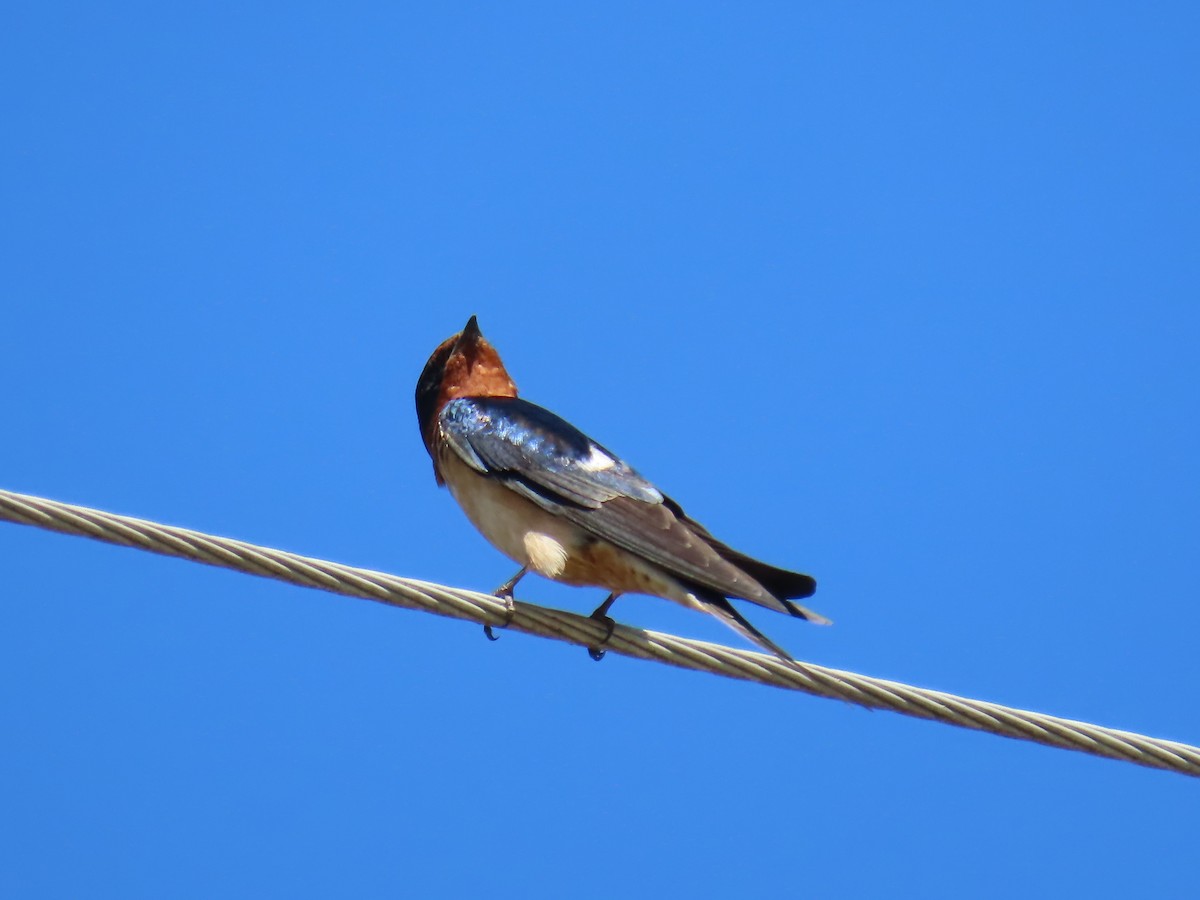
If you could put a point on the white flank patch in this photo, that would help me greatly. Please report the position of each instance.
(547, 556)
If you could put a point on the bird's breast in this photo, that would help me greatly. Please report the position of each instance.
(517, 527)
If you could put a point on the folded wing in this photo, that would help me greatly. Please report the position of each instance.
(549, 461)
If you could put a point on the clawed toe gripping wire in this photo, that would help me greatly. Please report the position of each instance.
(600, 614)
(510, 611)
(874, 693)
(597, 651)
(505, 593)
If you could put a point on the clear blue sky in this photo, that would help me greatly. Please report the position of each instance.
(903, 297)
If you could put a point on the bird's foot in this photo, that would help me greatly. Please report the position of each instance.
(601, 615)
(596, 652)
(505, 592)
(510, 611)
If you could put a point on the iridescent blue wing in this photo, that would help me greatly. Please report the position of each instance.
(517, 440)
(549, 461)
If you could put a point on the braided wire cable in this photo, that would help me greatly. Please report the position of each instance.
(874, 693)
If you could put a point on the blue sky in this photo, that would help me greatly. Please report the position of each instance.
(902, 297)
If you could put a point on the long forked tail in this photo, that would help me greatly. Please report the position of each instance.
(786, 586)
(782, 584)
(725, 611)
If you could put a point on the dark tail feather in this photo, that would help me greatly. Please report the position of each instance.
(780, 582)
(725, 611)
(803, 612)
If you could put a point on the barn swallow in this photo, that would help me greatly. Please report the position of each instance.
(557, 503)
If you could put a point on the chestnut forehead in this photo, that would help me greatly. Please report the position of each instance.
(472, 353)
(444, 348)
(436, 364)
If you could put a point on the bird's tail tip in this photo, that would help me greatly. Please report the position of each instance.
(727, 613)
(803, 612)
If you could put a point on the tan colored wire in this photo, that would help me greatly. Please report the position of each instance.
(564, 626)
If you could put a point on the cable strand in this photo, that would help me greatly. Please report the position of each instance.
(716, 659)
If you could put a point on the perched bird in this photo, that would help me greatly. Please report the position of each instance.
(556, 502)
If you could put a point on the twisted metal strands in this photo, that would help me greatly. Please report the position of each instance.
(486, 609)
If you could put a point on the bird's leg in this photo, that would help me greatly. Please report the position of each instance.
(505, 592)
(601, 615)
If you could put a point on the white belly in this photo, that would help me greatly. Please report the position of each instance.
(549, 545)
(516, 527)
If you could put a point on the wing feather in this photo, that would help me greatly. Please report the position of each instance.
(547, 460)
(506, 435)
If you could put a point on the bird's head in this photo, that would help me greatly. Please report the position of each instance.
(463, 365)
